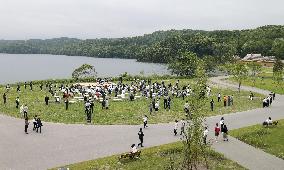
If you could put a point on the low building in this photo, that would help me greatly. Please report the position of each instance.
(267, 61)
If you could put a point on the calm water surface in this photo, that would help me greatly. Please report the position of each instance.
(25, 67)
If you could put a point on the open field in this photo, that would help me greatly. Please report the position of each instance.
(269, 139)
(160, 157)
(120, 112)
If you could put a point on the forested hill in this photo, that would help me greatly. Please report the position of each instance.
(160, 46)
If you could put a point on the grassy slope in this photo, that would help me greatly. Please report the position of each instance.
(125, 112)
(269, 139)
(153, 158)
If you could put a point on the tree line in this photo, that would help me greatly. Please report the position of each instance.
(161, 46)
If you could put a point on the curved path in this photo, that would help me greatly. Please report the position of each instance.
(61, 144)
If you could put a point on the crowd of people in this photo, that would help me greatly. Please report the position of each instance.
(104, 91)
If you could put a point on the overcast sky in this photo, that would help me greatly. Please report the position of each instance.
(25, 19)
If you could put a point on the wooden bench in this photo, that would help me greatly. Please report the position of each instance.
(130, 155)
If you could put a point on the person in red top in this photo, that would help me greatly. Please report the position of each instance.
(217, 131)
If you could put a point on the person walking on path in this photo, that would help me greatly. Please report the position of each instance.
(145, 121)
(39, 125)
(175, 127)
(225, 133)
(222, 123)
(141, 137)
(35, 122)
(26, 125)
(182, 127)
(212, 105)
(205, 134)
(219, 97)
(217, 132)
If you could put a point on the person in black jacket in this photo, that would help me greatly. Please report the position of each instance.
(46, 100)
(141, 137)
(225, 133)
(39, 125)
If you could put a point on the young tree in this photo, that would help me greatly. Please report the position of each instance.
(84, 71)
(239, 71)
(254, 69)
(278, 70)
(195, 151)
(184, 64)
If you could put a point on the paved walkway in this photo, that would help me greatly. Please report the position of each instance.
(61, 144)
(246, 155)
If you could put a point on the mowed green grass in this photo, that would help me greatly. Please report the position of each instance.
(125, 112)
(264, 80)
(268, 139)
(160, 157)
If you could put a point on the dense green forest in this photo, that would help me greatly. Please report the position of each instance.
(161, 46)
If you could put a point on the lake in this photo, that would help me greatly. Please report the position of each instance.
(26, 67)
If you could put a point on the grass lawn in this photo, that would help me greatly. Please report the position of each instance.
(125, 112)
(154, 158)
(268, 139)
(264, 80)
(267, 84)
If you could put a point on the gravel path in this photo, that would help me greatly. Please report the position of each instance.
(61, 144)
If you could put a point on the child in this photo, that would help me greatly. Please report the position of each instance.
(217, 131)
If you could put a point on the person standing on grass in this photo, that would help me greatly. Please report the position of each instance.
(175, 127)
(150, 108)
(169, 103)
(212, 104)
(145, 121)
(92, 106)
(205, 134)
(186, 107)
(225, 101)
(18, 88)
(17, 102)
(141, 137)
(46, 99)
(4, 98)
(25, 110)
(26, 125)
(157, 105)
(217, 132)
(25, 85)
(31, 86)
(225, 133)
(107, 103)
(165, 102)
(219, 97)
(182, 126)
(66, 103)
(40, 86)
